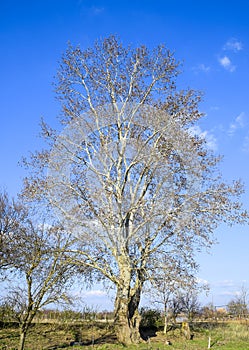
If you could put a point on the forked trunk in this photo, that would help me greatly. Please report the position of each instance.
(127, 318)
(23, 330)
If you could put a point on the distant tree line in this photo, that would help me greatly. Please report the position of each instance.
(182, 307)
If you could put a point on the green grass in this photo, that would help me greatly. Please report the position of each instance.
(224, 336)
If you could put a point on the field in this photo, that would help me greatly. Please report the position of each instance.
(233, 335)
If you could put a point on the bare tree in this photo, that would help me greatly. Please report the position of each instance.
(12, 214)
(175, 308)
(127, 173)
(41, 274)
(163, 289)
(238, 306)
(35, 260)
(190, 304)
(162, 292)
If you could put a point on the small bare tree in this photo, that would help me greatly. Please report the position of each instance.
(41, 274)
(190, 304)
(162, 293)
(163, 289)
(12, 214)
(127, 173)
(35, 262)
(238, 306)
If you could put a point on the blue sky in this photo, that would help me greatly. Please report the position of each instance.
(210, 37)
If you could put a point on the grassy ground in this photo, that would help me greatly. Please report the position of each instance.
(223, 336)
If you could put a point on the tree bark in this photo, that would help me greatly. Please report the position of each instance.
(166, 316)
(165, 328)
(22, 338)
(127, 318)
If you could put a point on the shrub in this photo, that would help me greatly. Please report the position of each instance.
(150, 318)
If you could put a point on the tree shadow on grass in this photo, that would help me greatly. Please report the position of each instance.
(109, 338)
(147, 333)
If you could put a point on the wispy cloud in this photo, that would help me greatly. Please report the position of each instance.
(95, 293)
(202, 281)
(201, 68)
(214, 108)
(233, 45)
(245, 146)
(225, 284)
(228, 293)
(97, 10)
(210, 139)
(238, 123)
(226, 63)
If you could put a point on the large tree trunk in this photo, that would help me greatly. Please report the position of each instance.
(127, 318)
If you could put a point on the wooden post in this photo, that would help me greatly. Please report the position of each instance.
(209, 342)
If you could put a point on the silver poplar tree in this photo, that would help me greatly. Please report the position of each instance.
(133, 183)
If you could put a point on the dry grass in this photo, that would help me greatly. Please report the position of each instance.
(224, 336)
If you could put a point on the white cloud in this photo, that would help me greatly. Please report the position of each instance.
(95, 293)
(89, 293)
(233, 44)
(211, 141)
(202, 281)
(231, 293)
(238, 123)
(201, 68)
(226, 63)
(225, 284)
(227, 293)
